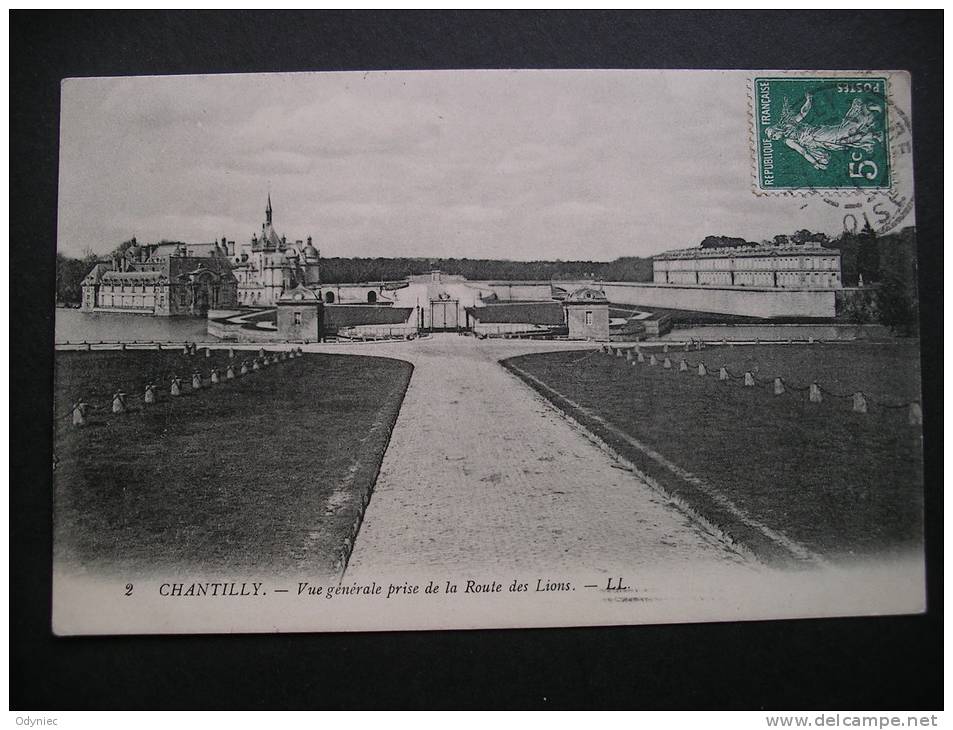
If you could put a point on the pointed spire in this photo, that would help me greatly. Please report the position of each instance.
(268, 209)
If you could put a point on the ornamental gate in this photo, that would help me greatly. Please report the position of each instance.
(444, 315)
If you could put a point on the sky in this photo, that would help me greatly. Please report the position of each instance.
(479, 164)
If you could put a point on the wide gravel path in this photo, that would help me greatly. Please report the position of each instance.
(482, 473)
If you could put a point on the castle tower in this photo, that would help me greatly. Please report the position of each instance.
(312, 265)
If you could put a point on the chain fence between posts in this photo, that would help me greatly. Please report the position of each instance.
(152, 380)
(768, 384)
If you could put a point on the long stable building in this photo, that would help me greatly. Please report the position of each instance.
(807, 266)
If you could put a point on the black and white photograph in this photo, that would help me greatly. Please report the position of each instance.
(483, 349)
(476, 359)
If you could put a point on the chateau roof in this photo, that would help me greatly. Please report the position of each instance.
(171, 248)
(300, 295)
(95, 274)
(337, 316)
(521, 313)
(269, 237)
(586, 295)
(759, 250)
(133, 275)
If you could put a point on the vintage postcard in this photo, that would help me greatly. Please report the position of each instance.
(468, 349)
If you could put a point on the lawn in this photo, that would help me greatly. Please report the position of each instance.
(840, 483)
(266, 472)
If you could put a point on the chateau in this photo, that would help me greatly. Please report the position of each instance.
(174, 278)
(162, 279)
(268, 265)
(268, 271)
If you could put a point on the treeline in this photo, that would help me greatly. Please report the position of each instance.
(340, 270)
(70, 273)
(887, 266)
(877, 258)
(888, 260)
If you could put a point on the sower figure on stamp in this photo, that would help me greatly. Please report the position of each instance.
(858, 129)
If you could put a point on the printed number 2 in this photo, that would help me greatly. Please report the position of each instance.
(128, 589)
(855, 170)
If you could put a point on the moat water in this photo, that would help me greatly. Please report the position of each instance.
(74, 325)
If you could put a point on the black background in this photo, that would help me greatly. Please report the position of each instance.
(885, 663)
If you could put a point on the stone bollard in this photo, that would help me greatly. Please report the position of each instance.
(255, 365)
(229, 372)
(618, 352)
(724, 341)
(231, 353)
(652, 360)
(723, 373)
(150, 395)
(208, 352)
(749, 379)
(244, 370)
(261, 352)
(628, 355)
(196, 381)
(639, 357)
(702, 370)
(213, 376)
(757, 340)
(79, 414)
(814, 394)
(176, 387)
(915, 415)
(778, 386)
(665, 347)
(667, 364)
(860, 402)
(810, 340)
(699, 345)
(683, 367)
(119, 402)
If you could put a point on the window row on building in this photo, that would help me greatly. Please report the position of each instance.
(802, 267)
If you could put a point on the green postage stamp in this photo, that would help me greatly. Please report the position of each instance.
(821, 133)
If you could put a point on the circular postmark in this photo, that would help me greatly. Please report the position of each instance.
(881, 210)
